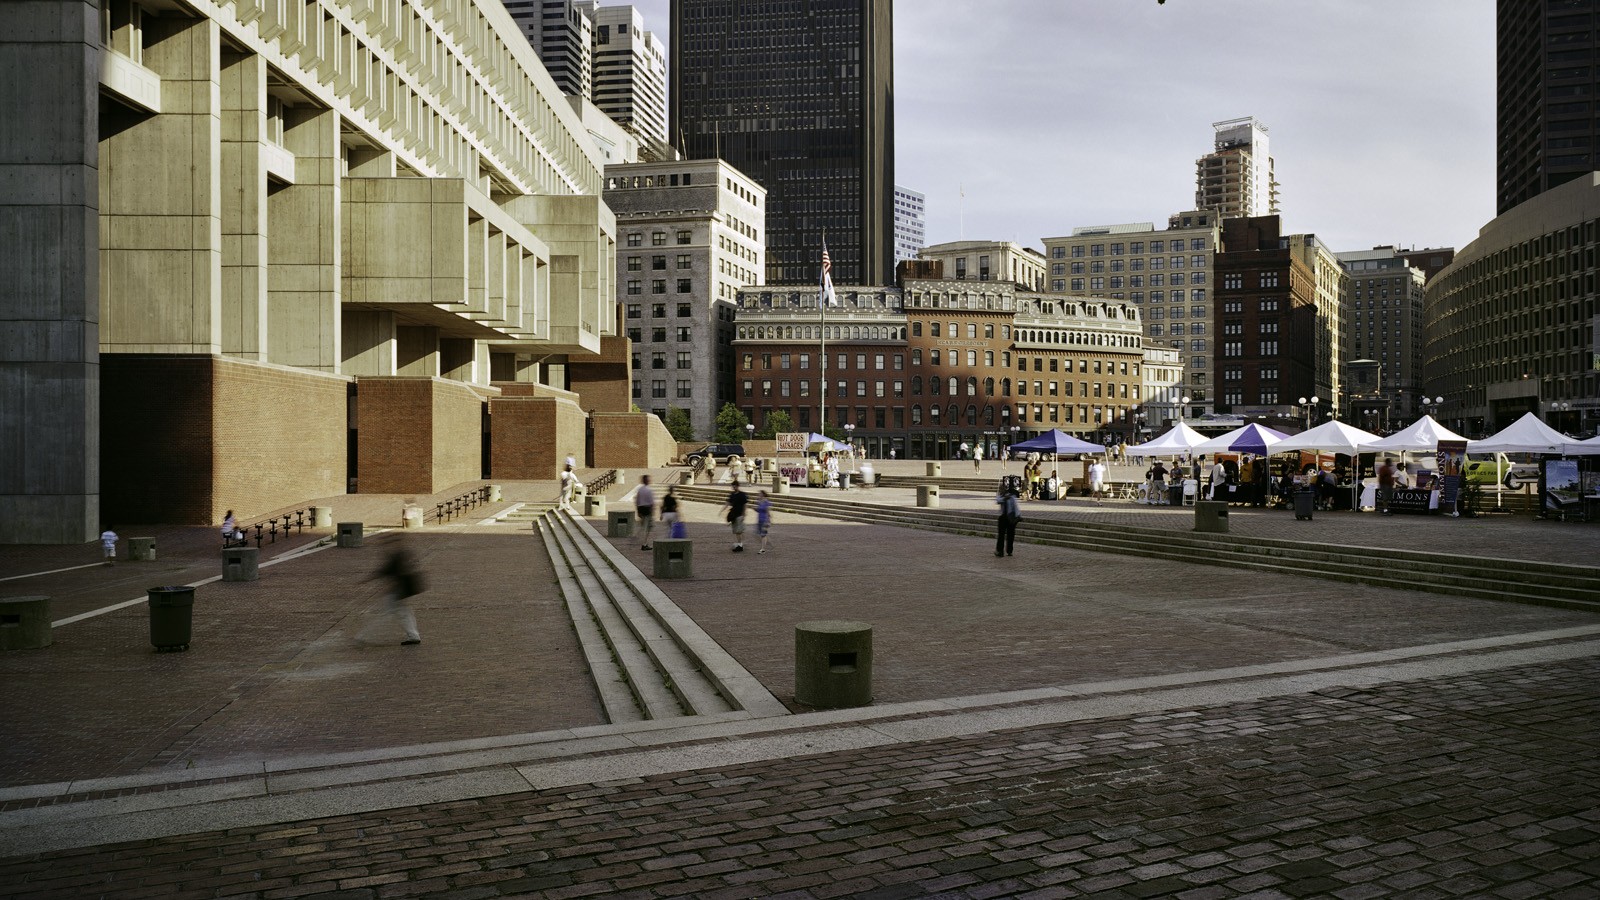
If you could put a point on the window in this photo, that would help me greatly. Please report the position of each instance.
(1269, 305)
(683, 260)
(749, 361)
(634, 264)
(1077, 284)
(861, 361)
(635, 335)
(877, 361)
(766, 388)
(634, 287)
(766, 361)
(658, 286)
(916, 329)
(685, 285)
(658, 361)
(658, 388)
(1269, 279)
(1232, 281)
(658, 262)
(861, 388)
(1269, 326)
(749, 388)
(805, 361)
(935, 357)
(658, 310)
(1232, 348)
(658, 238)
(899, 361)
(783, 388)
(972, 358)
(1077, 252)
(916, 356)
(934, 330)
(658, 335)
(683, 237)
(635, 239)
(638, 390)
(685, 391)
(685, 359)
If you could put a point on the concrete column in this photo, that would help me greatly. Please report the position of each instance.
(369, 338)
(416, 350)
(49, 273)
(303, 246)
(244, 206)
(161, 201)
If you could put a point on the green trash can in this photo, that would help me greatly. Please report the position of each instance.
(171, 617)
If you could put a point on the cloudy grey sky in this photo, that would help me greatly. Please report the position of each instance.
(1051, 114)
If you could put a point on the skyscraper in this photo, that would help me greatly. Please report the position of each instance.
(1547, 74)
(1236, 178)
(801, 98)
(563, 35)
(630, 71)
(910, 223)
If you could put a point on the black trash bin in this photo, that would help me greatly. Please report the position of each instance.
(171, 616)
(1305, 503)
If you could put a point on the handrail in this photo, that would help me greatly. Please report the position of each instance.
(268, 528)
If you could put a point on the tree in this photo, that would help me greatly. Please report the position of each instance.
(777, 422)
(679, 426)
(730, 425)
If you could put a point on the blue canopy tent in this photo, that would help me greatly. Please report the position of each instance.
(1252, 438)
(1058, 442)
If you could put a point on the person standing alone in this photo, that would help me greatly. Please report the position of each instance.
(644, 501)
(737, 501)
(1010, 515)
(764, 520)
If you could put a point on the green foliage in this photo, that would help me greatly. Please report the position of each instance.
(833, 431)
(730, 425)
(678, 424)
(777, 423)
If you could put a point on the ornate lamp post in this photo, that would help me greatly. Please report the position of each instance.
(849, 438)
(1306, 406)
(1562, 408)
(1183, 408)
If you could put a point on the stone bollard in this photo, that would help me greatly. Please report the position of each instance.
(833, 664)
(142, 548)
(934, 469)
(350, 534)
(780, 484)
(24, 623)
(495, 493)
(1212, 516)
(594, 505)
(240, 564)
(411, 517)
(928, 495)
(619, 523)
(674, 558)
(321, 517)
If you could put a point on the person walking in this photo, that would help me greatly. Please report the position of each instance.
(1386, 478)
(764, 520)
(977, 458)
(1097, 479)
(1010, 514)
(1158, 483)
(734, 509)
(108, 542)
(644, 502)
(669, 514)
(405, 582)
(963, 449)
(568, 481)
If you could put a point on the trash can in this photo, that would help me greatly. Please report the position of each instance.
(240, 564)
(934, 469)
(833, 664)
(142, 548)
(594, 505)
(674, 558)
(1212, 516)
(350, 534)
(24, 623)
(1175, 494)
(928, 495)
(619, 523)
(321, 517)
(1305, 503)
(171, 616)
(780, 484)
(844, 481)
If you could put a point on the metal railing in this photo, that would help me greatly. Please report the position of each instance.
(455, 506)
(269, 528)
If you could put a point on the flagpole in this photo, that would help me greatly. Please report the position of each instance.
(822, 352)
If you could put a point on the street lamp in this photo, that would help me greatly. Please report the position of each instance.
(1138, 423)
(1183, 411)
(1430, 405)
(1561, 408)
(750, 429)
(849, 438)
(1307, 409)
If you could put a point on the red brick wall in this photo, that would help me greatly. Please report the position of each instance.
(417, 435)
(184, 438)
(602, 382)
(631, 441)
(532, 436)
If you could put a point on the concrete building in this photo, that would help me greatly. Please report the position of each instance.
(562, 34)
(1163, 391)
(292, 249)
(1512, 325)
(1328, 279)
(690, 238)
(1267, 324)
(799, 96)
(1383, 326)
(989, 261)
(922, 368)
(1548, 71)
(1166, 274)
(617, 145)
(1236, 178)
(630, 71)
(910, 223)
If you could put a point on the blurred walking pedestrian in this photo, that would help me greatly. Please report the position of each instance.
(737, 501)
(644, 501)
(405, 582)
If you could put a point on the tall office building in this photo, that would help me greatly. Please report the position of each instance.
(910, 223)
(801, 98)
(630, 71)
(1383, 326)
(1236, 177)
(562, 33)
(1548, 76)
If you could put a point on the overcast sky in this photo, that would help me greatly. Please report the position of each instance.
(1053, 114)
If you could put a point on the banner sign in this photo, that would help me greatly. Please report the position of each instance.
(1410, 500)
(791, 442)
(1452, 461)
(793, 473)
(1563, 488)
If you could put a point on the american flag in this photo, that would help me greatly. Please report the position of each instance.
(827, 277)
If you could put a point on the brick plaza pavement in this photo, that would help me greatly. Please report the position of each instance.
(1206, 763)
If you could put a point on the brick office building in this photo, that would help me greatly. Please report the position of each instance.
(934, 363)
(1266, 304)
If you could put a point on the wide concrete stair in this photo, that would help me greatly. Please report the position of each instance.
(1540, 583)
(649, 660)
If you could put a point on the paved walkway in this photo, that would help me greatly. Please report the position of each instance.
(1053, 724)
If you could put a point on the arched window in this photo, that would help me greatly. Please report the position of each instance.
(988, 330)
(972, 386)
(933, 413)
(916, 329)
(1005, 387)
(934, 384)
(916, 414)
(972, 414)
(955, 388)
(988, 387)
(988, 415)
(916, 385)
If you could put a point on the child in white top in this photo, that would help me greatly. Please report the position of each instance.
(108, 540)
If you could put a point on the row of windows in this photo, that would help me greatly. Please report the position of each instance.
(658, 389)
(1236, 348)
(1233, 281)
(659, 310)
(658, 360)
(1133, 247)
(657, 238)
(1099, 267)
(1265, 304)
(659, 286)
(649, 181)
(658, 263)
(1117, 282)
(953, 386)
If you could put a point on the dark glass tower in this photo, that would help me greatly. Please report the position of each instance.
(799, 95)
(1548, 70)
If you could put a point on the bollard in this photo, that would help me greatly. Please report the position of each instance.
(171, 616)
(1212, 516)
(928, 495)
(142, 549)
(321, 517)
(240, 564)
(619, 523)
(833, 664)
(350, 534)
(934, 469)
(24, 623)
(594, 505)
(674, 558)
(780, 484)
(495, 493)
(411, 517)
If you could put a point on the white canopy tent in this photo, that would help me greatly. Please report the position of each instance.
(1525, 435)
(1420, 436)
(1335, 437)
(1591, 447)
(1179, 440)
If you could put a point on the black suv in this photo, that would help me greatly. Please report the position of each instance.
(717, 452)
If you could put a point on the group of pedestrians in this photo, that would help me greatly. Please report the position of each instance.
(734, 511)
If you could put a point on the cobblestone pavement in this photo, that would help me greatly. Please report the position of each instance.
(1483, 786)
(1481, 783)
